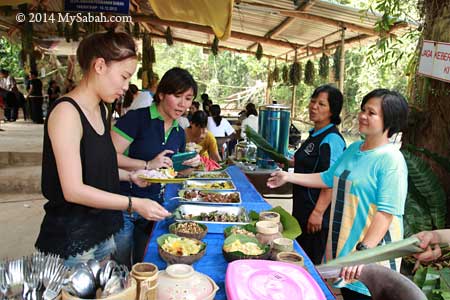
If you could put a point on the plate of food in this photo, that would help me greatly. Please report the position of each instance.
(215, 217)
(163, 175)
(238, 246)
(210, 175)
(209, 185)
(210, 197)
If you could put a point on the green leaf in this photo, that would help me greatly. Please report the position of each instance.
(419, 277)
(444, 162)
(266, 147)
(431, 281)
(291, 227)
(445, 280)
(429, 187)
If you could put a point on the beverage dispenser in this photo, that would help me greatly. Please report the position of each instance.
(273, 122)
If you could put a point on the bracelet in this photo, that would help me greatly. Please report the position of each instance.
(130, 205)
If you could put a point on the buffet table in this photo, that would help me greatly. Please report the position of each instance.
(213, 263)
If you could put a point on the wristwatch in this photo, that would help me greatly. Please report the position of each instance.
(361, 246)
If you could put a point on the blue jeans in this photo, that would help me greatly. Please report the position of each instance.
(132, 239)
(99, 252)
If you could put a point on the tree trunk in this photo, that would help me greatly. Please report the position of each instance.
(429, 124)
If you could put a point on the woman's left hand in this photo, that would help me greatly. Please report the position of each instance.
(193, 162)
(314, 222)
(142, 183)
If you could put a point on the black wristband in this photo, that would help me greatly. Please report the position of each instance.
(361, 246)
(130, 205)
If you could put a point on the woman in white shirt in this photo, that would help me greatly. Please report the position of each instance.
(251, 120)
(219, 127)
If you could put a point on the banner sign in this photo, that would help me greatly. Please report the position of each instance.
(112, 6)
(435, 60)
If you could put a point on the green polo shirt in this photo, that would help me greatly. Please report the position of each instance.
(154, 114)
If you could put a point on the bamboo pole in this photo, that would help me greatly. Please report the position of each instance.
(342, 62)
(267, 88)
(294, 90)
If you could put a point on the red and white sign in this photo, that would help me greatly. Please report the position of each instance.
(435, 60)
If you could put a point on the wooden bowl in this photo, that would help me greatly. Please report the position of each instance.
(179, 259)
(198, 236)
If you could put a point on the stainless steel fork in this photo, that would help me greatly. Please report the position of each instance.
(54, 287)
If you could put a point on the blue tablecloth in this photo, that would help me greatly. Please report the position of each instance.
(213, 263)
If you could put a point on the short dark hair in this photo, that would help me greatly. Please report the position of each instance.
(250, 109)
(204, 96)
(34, 73)
(4, 71)
(196, 104)
(129, 95)
(335, 101)
(200, 118)
(110, 45)
(394, 107)
(215, 113)
(175, 81)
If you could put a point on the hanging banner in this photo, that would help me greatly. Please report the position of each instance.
(435, 60)
(112, 6)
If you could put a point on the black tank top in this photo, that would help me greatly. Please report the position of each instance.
(69, 229)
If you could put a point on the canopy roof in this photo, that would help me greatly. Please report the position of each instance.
(279, 25)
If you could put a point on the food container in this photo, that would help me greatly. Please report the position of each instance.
(264, 279)
(291, 257)
(175, 257)
(235, 247)
(194, 212)
(281, 245)
(245, 151)
(233, 197)
(180, 281)
(175, 229)
(211, 185)
(267, 231)
(271, 216)
(146, 275)
(212, 175)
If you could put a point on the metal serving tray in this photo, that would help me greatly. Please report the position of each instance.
(213, 175)
(213, 227)
(210, 185)
(200, 200)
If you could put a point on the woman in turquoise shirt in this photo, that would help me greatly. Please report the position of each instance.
(369, 184)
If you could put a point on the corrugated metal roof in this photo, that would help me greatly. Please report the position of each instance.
(257, 18)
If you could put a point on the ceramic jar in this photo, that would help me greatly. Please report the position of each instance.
(146, 275)
(291, 257)
(267, 231)
(180, 281)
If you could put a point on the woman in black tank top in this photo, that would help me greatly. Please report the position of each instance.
(80, 177)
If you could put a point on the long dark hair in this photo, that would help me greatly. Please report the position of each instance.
(215, 113)
(175, 81)
(129, 95)
(250, 109)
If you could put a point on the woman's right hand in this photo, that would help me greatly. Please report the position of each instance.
(149, 209)
(161, 161)
(277, 179)
(428, 239)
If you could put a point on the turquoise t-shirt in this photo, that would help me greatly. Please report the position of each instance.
(365, 182)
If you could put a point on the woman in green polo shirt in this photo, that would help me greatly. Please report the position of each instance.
(146, 138)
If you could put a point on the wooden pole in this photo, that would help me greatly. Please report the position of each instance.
(342, 62)
(294, 90)
(267, 88)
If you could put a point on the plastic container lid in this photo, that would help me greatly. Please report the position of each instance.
(270, 280)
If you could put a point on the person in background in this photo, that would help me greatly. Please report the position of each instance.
(198, 134)
(207, 103)
(145, 97)
(80, 177)
(183, 121)
(35, 97)
(251, 119)
(429, 241)
(53, 92)
(194, 107)
(217, 125)
(21, 103)
(146, 138)
(369, 182)
(7, 84)
(130, 96)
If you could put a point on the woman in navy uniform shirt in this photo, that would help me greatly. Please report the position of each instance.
(324, 145)
(146, 138)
